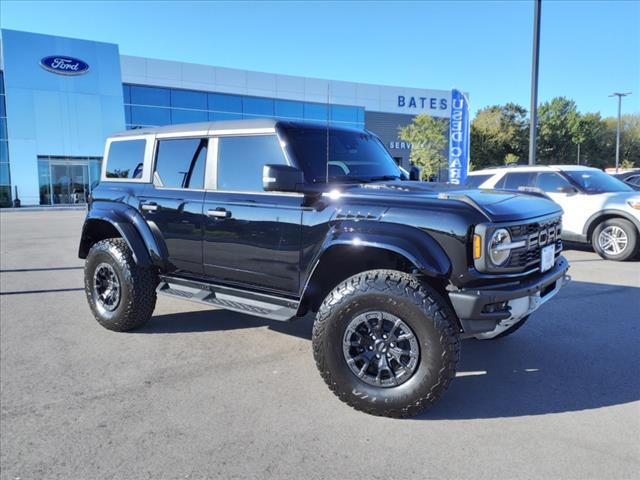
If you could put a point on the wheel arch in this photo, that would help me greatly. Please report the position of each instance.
(348, 252)
(126, 223)
(599, 217)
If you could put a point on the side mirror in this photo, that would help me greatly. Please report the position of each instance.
(281, 178)
(415, 173)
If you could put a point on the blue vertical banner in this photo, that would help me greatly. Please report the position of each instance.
(458, 137)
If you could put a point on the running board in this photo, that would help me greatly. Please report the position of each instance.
(251, 303)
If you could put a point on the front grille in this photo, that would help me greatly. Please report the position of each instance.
(536, 235)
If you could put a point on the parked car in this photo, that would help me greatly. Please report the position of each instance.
(281, 219)
(598, 209)
(631, 178)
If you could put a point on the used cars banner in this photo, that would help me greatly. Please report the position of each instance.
(458, 137)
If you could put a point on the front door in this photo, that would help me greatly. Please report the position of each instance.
(172, 205)
(251, 237)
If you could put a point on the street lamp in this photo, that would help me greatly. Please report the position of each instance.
(619, 95)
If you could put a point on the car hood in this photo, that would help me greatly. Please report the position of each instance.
(497, 206)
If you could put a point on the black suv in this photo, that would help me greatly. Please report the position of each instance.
(280, 219)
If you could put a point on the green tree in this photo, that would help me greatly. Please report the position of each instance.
(499, 135)
(629, 140)
(558, 130)
(428, 139)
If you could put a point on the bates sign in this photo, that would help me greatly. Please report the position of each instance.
(64, 65)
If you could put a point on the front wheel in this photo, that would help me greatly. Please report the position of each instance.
(121, 294)
(385, 343)
(615, 239)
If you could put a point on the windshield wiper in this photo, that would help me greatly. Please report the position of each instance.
(384, 177)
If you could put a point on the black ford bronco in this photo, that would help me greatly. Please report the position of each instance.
(281, 219)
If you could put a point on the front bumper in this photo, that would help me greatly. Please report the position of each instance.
(472, 305)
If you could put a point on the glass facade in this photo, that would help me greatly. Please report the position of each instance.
(157, 106)
(5, 173)
(67, 180)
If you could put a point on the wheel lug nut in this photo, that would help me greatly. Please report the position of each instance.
(377, 355)
(373, 336)
(392, 344)
(370, 348)
(384, 336)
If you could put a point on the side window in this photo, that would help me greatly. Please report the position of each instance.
(180, 163)
(514, 180)
(241, 158)
(474, 181)
(552, 182)
(635, 180)
(125, 159)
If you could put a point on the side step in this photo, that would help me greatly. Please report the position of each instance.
(251, 303)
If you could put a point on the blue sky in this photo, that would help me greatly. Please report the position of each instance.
(588, 48)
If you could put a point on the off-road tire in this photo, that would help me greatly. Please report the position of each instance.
(630, 231)
(421, 308)
(137, 286)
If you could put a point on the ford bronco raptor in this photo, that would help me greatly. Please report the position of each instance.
(281, 219)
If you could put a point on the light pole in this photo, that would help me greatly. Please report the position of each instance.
(619, 95)
(533, 128)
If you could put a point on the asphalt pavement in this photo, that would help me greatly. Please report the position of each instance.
(201, 393)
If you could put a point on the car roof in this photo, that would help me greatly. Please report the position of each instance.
(227, 125)
(532, 168)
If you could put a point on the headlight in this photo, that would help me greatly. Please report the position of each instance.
(635, 204)
(500, 247)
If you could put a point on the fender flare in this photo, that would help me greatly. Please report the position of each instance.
(146, 248)
(596, 217)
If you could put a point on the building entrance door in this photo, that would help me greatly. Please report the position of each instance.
(70, 183)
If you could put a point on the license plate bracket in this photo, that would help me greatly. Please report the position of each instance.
(547, 257)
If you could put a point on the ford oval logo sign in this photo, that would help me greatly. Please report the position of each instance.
(64, 65)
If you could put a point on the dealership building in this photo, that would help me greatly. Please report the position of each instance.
(60, 98)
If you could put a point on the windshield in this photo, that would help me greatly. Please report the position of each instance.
(596, 181)
(353, 156)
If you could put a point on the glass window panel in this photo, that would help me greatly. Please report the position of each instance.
(289, 109)
(127, 114)
(180, 163)
(361, 115)
(94, 171)
(552, 182)
(344, 114)
(5, 179)
(514, 180)
(240, 161)
(126, 93)
(3, 128)
(188, 116)
(150, 116)
(5, 196)
(3, 110)
(45, 183)
(1, 83)
(257, 106)
(4, 151)
(224, 116)
(221, 102)
(188, 99)
(315, 111)
(125, 159)
(150, 96)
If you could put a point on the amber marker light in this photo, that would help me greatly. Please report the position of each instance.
(477, 246)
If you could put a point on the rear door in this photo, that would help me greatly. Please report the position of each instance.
(252, 237)
(172, 205)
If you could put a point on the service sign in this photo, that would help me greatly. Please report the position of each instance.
(63, 65)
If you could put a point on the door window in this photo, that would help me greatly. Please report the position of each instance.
(180, 163)
(551, 182)
(241, 158)
(126, 158)
(514, 180)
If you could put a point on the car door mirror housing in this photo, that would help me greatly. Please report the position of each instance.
(282, 178)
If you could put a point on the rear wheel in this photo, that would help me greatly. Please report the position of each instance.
(385, 343)
(615, 239)
(121, 294)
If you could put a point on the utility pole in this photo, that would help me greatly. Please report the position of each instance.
(578, 154)
(533, 128)
(619, 95)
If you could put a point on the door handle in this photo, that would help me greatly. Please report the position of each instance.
(149, 207)
(219, 213)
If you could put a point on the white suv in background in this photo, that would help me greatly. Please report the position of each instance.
(598, 208)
